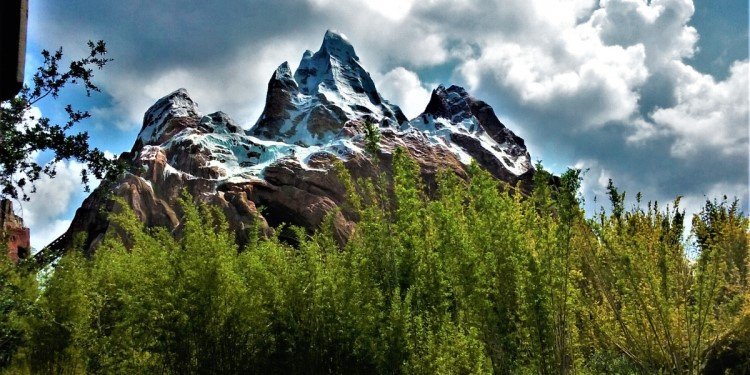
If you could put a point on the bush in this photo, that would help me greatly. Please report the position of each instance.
(472, 280)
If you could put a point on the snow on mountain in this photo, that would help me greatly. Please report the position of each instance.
(320, 108)
(311, 118)
(328, 89)
(177, 104)
(470, 128)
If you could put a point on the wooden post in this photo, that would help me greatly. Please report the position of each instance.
(13, 19)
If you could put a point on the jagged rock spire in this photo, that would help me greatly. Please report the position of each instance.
(177, 104)
(455, 104)
(329, 88)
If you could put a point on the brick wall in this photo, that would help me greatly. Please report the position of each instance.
(18, 237)
(19, 243)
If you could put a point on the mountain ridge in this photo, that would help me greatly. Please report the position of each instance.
(284, 162)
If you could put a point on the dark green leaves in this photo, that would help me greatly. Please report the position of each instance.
(21, 136)
(372, 138)
(472, 279)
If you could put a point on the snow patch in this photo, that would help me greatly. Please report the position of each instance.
(439, 130)
(176, 104)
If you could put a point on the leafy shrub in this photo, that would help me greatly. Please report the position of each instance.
(474, 279)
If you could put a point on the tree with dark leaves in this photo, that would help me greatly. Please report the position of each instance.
(21, 135)
(372, 138)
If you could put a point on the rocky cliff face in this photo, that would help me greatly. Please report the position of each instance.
(284, 162)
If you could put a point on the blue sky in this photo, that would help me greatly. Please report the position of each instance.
(653, 94)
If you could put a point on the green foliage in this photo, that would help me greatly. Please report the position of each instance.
(649, 301)
(372, 138)
(16, 300)
(20, 138)
(471, 279)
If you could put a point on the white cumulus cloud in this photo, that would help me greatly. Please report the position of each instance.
(589, 83)
(403, 87)
(237, 88)
(46, 213)
(709, 116)
(660, 25)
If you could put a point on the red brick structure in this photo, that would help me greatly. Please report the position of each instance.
(12, 230)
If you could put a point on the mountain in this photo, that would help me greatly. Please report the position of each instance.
(284, 162)
(328, 89)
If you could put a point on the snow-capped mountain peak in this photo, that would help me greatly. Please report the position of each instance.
(157, 118)
(321, 107)
(312, 117)
(330, 88)
(335, 69)
(338, 46)
(470, 128)
(283, 72)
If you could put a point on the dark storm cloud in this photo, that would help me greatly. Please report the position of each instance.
(152, 35)
(223, 52)
(656, 92)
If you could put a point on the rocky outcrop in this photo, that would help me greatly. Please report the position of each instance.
(471, 129)
(168, 116)
(313, 118)
(455, 104)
